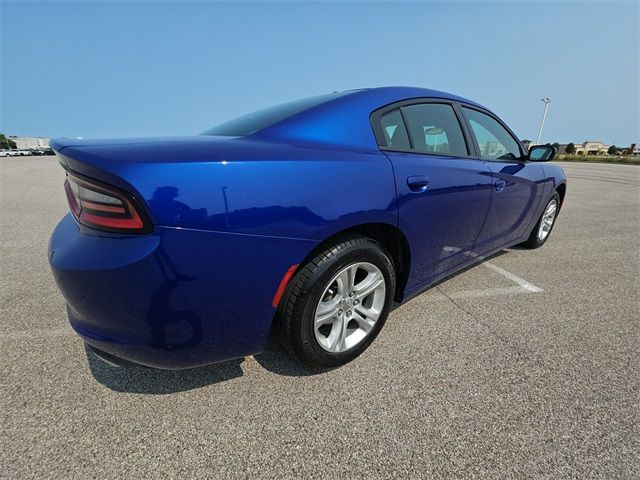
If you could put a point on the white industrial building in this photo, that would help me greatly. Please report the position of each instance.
(25, 143)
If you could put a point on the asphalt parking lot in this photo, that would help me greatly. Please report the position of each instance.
(525, 367)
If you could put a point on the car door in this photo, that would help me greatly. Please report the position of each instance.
(443, 191)
(517, 182)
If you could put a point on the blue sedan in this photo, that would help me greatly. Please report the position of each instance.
(312, 218)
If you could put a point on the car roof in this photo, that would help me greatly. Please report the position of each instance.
(345, 120)
(392, 94)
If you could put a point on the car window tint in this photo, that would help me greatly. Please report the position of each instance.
(253, 122)
(494, 140)
(434, 128)
(395, 132)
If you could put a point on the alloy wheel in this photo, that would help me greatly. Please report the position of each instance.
(349, 307)
(548, 217)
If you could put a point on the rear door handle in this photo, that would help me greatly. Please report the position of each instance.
(418, 183)
(500, 184)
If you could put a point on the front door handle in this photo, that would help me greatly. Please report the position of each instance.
(418, 183)
(500, 184)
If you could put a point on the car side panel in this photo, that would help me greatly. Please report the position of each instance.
(517, 192)
(553, 178)
(288, 191)
(442, 222)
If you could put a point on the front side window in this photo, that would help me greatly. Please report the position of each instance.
(434, 128)
(395, 133)
(495, 142)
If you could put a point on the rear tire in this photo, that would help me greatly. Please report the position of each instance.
(545, 223)
(337, 303)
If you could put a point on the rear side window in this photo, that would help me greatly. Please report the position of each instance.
(495, 142)
(253, 122)
(434, 128)
(395, 133)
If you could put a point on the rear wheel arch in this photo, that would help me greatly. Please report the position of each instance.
(391, 238)
(337, 303)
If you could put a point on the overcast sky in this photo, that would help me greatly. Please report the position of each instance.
(98, 69)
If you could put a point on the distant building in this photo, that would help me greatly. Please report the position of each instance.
(24, 143)
(592, 147)
(632, 149)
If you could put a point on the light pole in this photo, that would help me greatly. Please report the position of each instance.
(546, 101)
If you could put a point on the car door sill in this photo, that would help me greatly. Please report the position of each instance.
(416, 290)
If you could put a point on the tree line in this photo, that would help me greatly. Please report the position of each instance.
(571, 148)
(6, 143)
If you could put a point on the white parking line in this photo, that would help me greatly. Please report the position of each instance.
(529, 287)
(522, 286)
(522, 283)
(490, 292)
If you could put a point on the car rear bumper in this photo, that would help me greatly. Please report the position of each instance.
(173, 299)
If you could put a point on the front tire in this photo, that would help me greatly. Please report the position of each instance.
(547, 220)
(337, 303)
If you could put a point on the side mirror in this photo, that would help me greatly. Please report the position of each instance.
(541, 153)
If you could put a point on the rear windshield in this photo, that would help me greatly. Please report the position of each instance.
(252, 122)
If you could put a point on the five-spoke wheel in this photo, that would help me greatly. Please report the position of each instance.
(548, 217)
(543, 227)
(336, 304)
(349, 307)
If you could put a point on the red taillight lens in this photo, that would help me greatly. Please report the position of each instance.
(101, 207)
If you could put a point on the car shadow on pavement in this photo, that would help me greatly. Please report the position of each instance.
(138, 379)
(276, 360)
(133, 379)
(516, 247)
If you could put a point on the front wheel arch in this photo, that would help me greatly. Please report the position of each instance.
(562, 191)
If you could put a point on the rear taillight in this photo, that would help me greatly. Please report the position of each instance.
(103, 207)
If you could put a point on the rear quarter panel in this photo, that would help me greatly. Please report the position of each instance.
(227, 226)
(256, 188)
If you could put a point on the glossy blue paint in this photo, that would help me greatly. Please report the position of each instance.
(175, 298)
(516, 199)
(231, 214)
(245, 186)
(441, 222)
